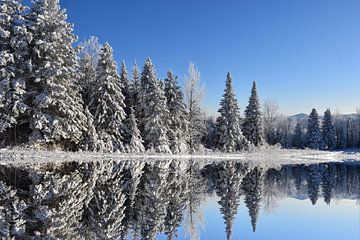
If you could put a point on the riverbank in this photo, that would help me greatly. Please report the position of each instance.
(266, 155)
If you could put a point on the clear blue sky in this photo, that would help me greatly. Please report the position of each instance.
(303, 53)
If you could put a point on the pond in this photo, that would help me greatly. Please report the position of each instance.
(179, 199)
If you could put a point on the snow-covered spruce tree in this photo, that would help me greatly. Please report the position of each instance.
(328, 131)
(90, 141)
(14, 39)
(88, 58)
(229, 137)
(87, 77)
(135, 90)
(298, 139)
(314, 138)
(252, 125)
(194, 93)
(57, 117)
(134, 141)
(153, 111)
(177, 116)
(125, 83)
(107, 101)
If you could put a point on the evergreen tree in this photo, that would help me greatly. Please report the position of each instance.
(229, 136)
(135, 89)
(88, 57)
(135, 142)
(314, 138)
(87, 78)
(298, 140)
(252, 125)
(328, 131)
(177, 116)
(14, 40)
(153, 111)
(90, 141)
(57, 116)
(107, 101)
(125, 83)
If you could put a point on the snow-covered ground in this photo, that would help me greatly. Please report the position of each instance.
(266, 156)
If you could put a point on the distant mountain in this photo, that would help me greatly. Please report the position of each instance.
(303, 116)
(299, 117)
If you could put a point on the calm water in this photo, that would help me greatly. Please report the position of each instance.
(180, 199)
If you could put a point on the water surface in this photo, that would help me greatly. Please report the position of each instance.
(179, 199)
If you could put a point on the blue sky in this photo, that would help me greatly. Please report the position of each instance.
(303, 53)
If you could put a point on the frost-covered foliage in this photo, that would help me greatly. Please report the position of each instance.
(106, 209)
(107, 102)
(90, 48)
(135, 90)
(88, 58)
(194, 93)
(134, 143)
(252, 125)
(87, 78)
(14, 40)
(12, 213)
(229, 137)
(177, 115)
(57, 116)
(328, 131)
(314, 138)
(90, 141)
(125, 83)
(47, 82)
(153, 111)
(298, 140)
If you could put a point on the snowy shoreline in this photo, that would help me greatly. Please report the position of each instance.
(266, 156)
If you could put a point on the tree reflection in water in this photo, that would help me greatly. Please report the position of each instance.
(140, 199)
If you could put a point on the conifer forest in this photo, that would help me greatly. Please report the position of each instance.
(56, 93)
(96, 148)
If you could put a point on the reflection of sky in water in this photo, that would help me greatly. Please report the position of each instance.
(109, 200)
(294, 219)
